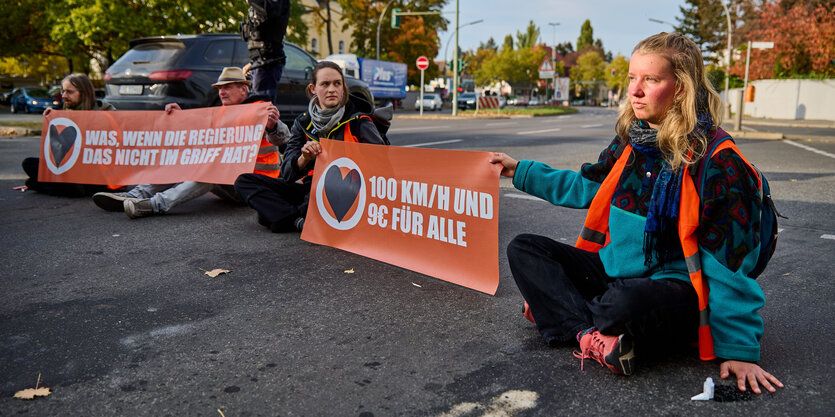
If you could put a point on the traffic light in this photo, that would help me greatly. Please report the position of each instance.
(395, 18)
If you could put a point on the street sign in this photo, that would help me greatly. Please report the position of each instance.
(422, 62)
(762, 45)
(561, 88)
(546, 70)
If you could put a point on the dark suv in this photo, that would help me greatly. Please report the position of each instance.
(182, 69)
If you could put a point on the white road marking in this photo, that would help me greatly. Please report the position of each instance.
(501, 124)
(524, 197)
(509, 403)
(433, 143)
(404, 129)
(591, 126)
(830, 237)
(809, 148)
(531, 132)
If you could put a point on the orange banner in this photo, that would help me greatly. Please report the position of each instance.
(431, 211)
(214, 145)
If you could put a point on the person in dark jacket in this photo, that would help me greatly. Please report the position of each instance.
(332, 114)
(263, 30)
(77, 94)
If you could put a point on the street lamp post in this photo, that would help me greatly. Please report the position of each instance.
(663, 22)
(449, 40)
(380, 21)
(554, 58)
(728, 65)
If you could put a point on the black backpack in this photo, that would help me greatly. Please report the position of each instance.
(768, 214)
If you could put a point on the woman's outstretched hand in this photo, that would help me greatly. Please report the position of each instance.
(750, 373)
(508, 164)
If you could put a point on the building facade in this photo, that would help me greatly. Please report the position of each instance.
(317, 29)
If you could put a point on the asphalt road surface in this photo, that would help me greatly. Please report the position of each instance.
(118, 317)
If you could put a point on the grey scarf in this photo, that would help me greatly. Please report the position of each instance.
(324, 119)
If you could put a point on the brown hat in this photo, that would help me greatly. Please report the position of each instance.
(231, 75)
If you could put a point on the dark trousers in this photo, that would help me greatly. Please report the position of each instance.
(265, 80)
(569, 291)
(61, 189)
(278, 202)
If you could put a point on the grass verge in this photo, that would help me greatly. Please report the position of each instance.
(27, 125)
(524, 111)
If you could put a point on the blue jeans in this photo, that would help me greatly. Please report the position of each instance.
(569, 291)
(265, 80)
(164, 197)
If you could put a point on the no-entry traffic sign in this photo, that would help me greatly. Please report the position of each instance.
(422, 62)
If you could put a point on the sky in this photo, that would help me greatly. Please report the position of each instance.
(620, 24)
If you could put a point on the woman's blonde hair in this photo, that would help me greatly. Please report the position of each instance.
(694, 97)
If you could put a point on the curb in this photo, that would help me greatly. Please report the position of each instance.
(744, 134)
(801, 125)
(18, 131)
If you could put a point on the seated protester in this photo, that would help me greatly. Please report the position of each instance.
(77, 94)
(332, 114)
(635, 280)
(150, 199)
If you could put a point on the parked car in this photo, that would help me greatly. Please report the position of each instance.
(55, 93)
(467, 100)
(31, 99)
(533, 102)
(517, 101)
(431, 101)
(181, 69)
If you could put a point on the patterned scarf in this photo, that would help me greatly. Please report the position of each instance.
(661, 230)
(324, 119)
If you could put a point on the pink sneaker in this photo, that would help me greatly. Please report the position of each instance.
(615, 352)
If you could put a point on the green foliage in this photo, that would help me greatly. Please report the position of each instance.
(46, 68)
(590, 67)
(616, 74)
(564, 48)
(586, 35)
(716, 77)
(516, 66)
(528, 38)
(490, 44)
(80, 30)
(296, 28)
(362, 16)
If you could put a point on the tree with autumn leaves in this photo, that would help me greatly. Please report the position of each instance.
(804, 42)
(803, 32)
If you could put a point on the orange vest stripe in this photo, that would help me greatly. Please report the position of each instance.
(595, 234)
(267, 162)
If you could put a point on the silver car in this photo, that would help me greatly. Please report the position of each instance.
(431, 101)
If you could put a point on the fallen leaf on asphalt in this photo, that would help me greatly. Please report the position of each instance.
(215, 272)
(349, 271)
(31, 393)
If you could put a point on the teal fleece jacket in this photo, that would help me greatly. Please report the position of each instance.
(728, 234)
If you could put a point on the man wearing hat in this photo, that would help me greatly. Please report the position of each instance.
(151, 199)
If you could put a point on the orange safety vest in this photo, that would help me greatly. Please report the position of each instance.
(595, 234)
(268, 161)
